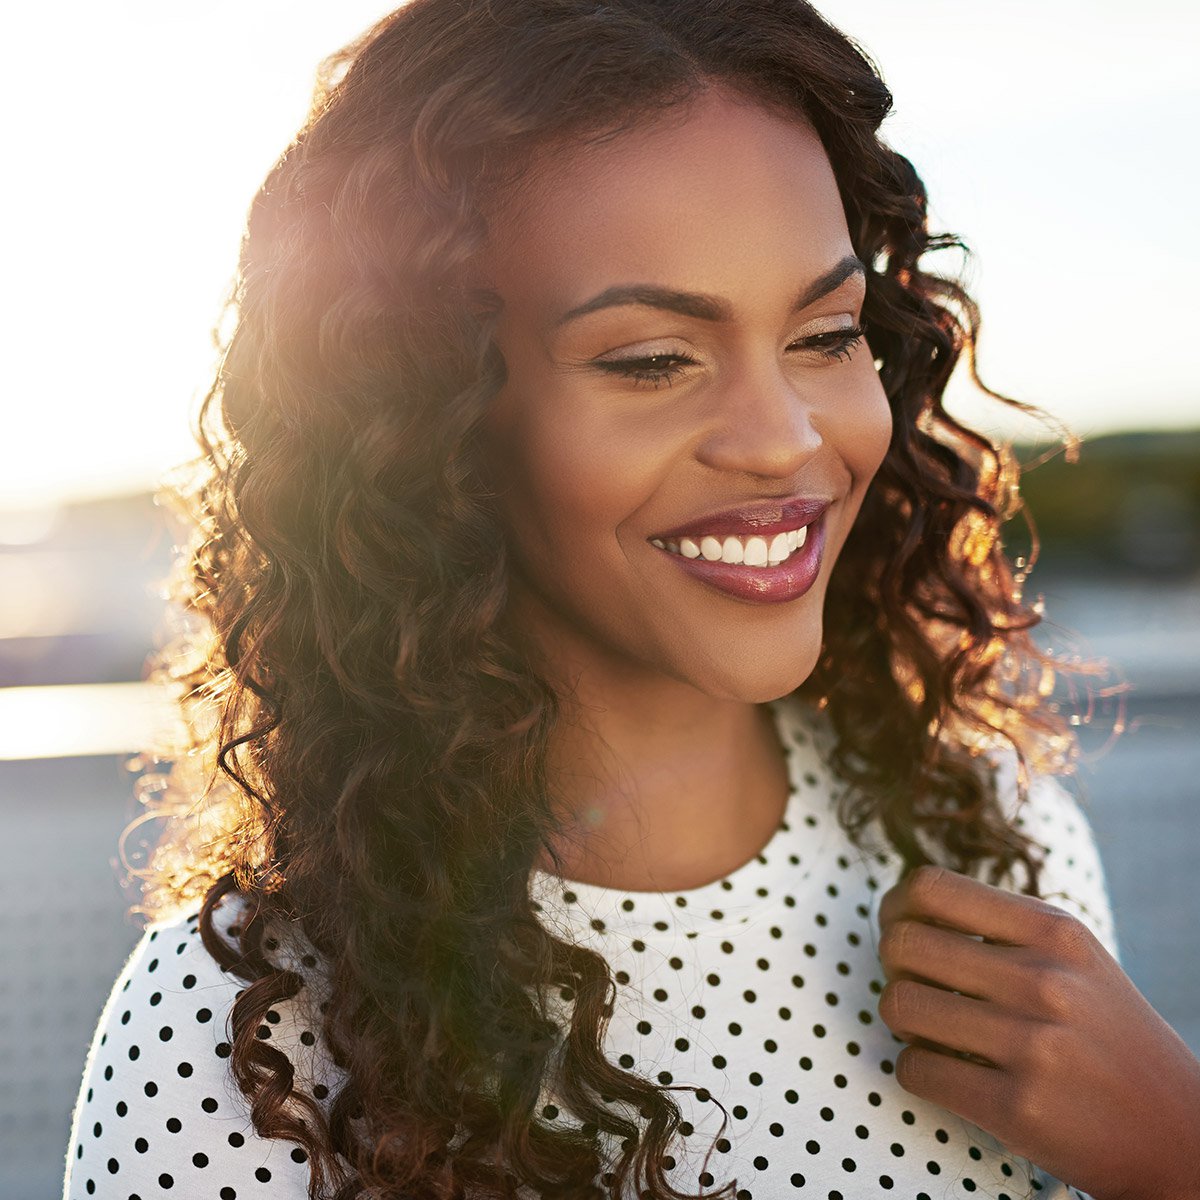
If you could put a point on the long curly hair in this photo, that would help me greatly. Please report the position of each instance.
(364, 742)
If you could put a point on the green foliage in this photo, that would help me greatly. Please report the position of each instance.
(1131, 501)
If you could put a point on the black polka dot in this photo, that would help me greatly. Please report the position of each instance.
(787, 1070)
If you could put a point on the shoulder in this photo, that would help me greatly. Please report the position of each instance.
(158, 1108)
(1073, 876)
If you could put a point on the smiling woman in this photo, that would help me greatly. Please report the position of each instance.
(600, 606)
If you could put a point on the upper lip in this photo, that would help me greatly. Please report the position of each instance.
(764, 517)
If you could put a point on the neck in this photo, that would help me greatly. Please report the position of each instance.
(663, 788)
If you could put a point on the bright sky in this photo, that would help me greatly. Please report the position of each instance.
(1056, 135)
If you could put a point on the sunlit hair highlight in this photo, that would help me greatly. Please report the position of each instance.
(365, 743)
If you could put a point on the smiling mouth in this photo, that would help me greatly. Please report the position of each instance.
(753, 567)
(750, 551)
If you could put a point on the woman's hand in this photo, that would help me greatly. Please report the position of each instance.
(1070, 1066)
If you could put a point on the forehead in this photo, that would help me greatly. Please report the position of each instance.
(716, 195)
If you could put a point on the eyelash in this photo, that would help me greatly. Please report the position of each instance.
(843, 344)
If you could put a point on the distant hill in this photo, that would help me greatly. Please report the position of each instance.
(1131, 501)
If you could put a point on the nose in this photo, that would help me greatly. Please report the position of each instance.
(760, 422)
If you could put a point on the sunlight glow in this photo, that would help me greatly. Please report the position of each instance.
(80, 719)
(1065, 170)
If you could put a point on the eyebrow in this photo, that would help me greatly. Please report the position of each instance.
(701, 306)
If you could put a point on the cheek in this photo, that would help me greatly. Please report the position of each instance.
(865, 430)
(567, 481)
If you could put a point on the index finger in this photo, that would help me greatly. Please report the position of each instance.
(949, 898)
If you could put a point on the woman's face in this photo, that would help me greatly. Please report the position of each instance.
(768, 399)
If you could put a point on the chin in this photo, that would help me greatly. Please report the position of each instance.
(755, 682)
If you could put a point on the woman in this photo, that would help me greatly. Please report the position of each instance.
(621, 684)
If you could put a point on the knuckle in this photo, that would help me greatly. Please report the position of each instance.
(927, 881)
(1050, 991)
(911, 1068)
(896, 945)
(1024, 1105)
(1063, 932)
(897, 1003)
(887, 1004)
(1042, 1051)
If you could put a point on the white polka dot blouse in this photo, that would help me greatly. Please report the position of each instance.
(760, 990)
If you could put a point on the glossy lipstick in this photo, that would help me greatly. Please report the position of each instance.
(766, 518)
(788, 580)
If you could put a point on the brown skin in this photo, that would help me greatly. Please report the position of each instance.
(667, 759)
(1077, 1071)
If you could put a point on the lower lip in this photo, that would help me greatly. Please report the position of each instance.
(762, 585)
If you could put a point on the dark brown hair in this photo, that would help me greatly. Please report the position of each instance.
(374, 739)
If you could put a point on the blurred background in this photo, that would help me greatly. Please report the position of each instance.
(1053, 136)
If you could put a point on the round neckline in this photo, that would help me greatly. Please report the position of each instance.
(735, 898)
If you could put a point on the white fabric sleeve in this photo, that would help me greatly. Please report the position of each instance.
(1073, 876)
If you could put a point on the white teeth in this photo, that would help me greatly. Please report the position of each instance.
(754, 552)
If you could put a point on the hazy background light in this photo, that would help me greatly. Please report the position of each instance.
(1053, 135)
(1057, 137)
(76, 720)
